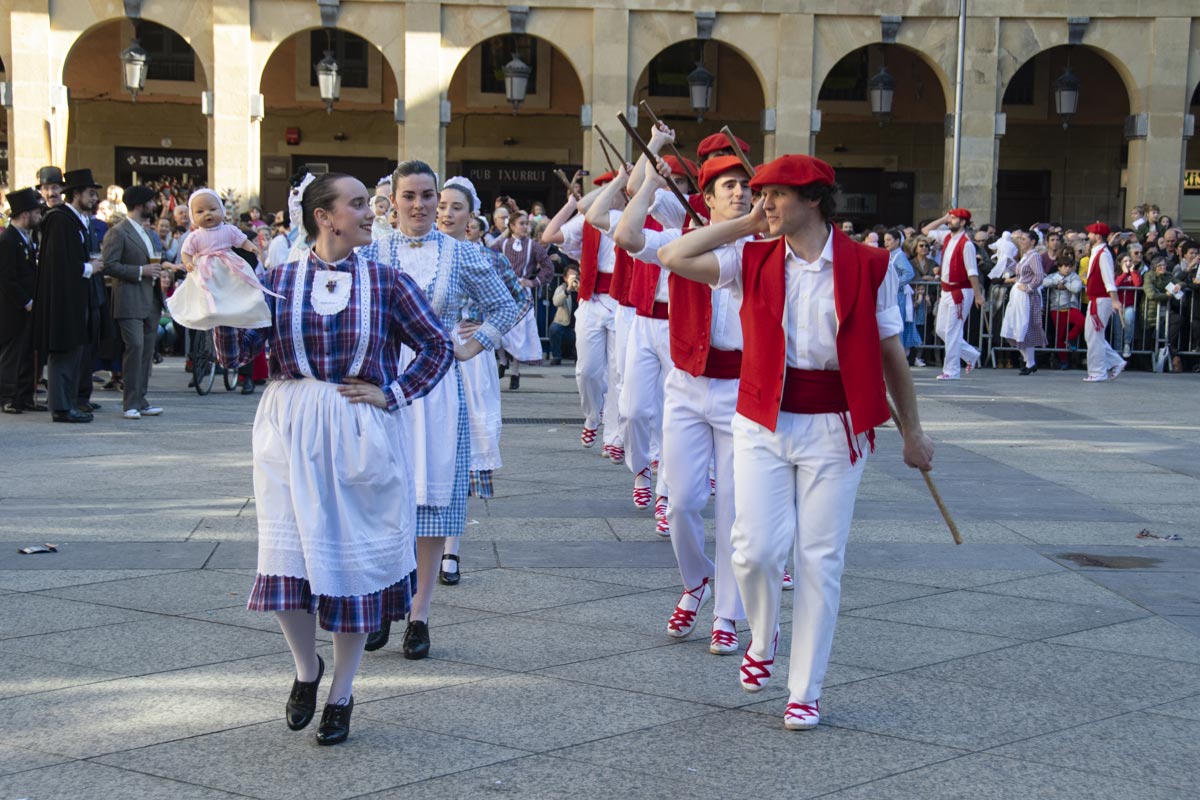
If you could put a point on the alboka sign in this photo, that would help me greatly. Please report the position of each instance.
(149, 164)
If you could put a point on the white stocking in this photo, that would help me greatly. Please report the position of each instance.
(347, 653)
(300, 630)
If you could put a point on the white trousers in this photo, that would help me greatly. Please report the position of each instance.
(697, 417)
(795, 490)
(647, 362)
(1100, 355)
(595, 345)
(623, 320)
(950, 328)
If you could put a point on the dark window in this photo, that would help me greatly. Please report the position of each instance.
(350, 51)
(848, 79)
(669, 70)
(1020, 88)
(171, 58)
(497, 52)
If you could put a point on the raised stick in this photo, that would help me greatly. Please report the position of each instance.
(692, 179)
(937, 497)
(562, 176)
(605, 146)
(737, 148)
(641, 146)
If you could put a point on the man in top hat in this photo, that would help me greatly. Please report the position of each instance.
(960, 285)
(821, 333)
(131, 257)
(700, 395)
(18, 278)
(1103, 363)
(50, 184)
(66, 307)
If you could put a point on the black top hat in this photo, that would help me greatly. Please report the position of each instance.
(80, 179)
(137, 195)
(24, 200)
(49, 175)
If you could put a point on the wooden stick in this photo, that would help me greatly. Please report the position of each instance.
(641, 146)
(692, 179)
(562, 176)
(737, 148)
(605, 141)
(933, 490)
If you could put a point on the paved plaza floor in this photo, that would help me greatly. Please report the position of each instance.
(1052, 655)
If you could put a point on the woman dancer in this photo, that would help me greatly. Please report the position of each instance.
(481, 383)
(893, 241)
(451, 273)
(329, 443)
(1027, 304)
(535, 270)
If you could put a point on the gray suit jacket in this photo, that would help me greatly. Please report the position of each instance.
(124, 252)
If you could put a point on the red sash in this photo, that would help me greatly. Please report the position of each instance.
(954, 276)
(815, 391)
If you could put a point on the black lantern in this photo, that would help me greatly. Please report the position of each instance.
(329, 80)
(136, 62)
(516, 81)
(882, 90)
(700, 84)
(1066, 95)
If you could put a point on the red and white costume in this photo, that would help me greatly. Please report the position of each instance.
(954, 306)
(1103, 362)
(810, 395)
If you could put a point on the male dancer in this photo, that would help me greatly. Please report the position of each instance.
(700, 396)
(821, 330)
(1103, 363)
(960, 284)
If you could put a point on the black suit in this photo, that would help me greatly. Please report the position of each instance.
(18, 276)
(66, 309)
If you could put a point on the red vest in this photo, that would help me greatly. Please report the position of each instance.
(1096, 290)
(589, 261)
(858, 271)
(691, 324)
(622, 275)
(644, 283)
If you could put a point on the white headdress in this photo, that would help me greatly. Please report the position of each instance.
(295, 212)
(385, 180)
(206, 190)
(464, 184)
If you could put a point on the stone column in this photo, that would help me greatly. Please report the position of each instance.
(981, 101)
(1156, 162)
(423, 137)
(795, 94)
(611, 88)
(36, 137)
(233, 141)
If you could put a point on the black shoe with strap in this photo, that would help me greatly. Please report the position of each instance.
(416, 640)
(449, 578)
(377, 639)
(335, 723)
(302, 702)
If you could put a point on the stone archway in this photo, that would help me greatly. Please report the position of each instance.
(890, 169)
(1071, 175)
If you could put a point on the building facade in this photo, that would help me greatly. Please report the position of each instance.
(232, 97)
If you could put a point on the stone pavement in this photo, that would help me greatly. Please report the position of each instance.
(1052, 655)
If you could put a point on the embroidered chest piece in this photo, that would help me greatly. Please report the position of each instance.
(331, 291)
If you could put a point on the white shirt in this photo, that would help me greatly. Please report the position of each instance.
(948, 241)
(572, 245)
(1104, 259)
(140, 229)
(810, 316)
(666, 210)
(725, 332)
(277, 251)
(87, 266)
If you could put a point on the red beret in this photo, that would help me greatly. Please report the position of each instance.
(1099, 228)
(793, 171)
(711, 144)
(717, 166)
(678, 168)
(961, 213)
(600, 180)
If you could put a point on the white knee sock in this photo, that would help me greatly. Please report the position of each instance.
(347, 653)
(300, 629)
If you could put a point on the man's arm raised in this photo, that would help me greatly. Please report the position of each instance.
(691, 256)
(629, 234)
(597, 215)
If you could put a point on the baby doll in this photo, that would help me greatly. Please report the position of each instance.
(221, 288)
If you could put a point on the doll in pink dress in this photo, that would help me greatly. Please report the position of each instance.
(221, 288)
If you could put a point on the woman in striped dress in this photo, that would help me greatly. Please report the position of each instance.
(450, 272)
(329, 442)
(1027, 281)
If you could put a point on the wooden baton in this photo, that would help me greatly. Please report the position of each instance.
(644, 150)
(937, 497)
(605, 145)
(694, 180)
(737, 148)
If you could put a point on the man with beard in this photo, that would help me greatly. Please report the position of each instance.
(960, 285)
(18, 276)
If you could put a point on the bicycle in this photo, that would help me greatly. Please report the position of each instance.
(204, 364)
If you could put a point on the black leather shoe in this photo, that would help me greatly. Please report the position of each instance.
(87, 408)
(302, 703)
(377, 639)
(449, 578)
(514, 382)
(1027, 370)
(74, 415)
(335, 723)
(416, 640)
(34, 407)
(247, 386)
(502, 368)
(9, 408)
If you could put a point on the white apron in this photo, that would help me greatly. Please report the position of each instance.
(522, 340)
(481, 387)
(1016, 316)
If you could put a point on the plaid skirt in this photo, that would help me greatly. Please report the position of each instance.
(480, 483)
(358, 614)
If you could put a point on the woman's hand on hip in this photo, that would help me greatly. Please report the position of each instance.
(356, 390)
